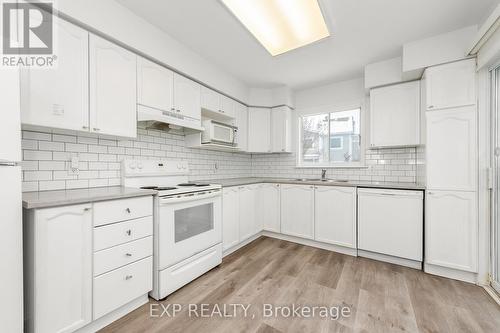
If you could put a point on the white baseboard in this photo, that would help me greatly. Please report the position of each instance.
(313, 243)
(391, 259)
(492, 292)
(104, 321)
(451, 273)
(240, 245)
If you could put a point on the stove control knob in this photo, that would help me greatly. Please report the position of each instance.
(131, 166)
(139, 166)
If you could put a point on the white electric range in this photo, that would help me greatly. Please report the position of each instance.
(187, 222)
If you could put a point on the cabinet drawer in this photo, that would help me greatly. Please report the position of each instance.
(123, 232)
(107, 212)
(121, 255)
(118, 287)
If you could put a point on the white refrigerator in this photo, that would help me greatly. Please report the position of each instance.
(11, 260)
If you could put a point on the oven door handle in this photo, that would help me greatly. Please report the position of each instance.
(166, 201)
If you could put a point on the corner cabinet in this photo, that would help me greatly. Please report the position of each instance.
(230, 218)
(247, 216)
(395, 115)
(451, 230)
(113, 99)
(259, 130)
(335, 215)
(297, 210)
(241, 121)
(268, 207)
(281, 130)
(59, 97)
(58, 248)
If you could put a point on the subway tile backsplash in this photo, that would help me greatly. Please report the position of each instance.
(47, 155)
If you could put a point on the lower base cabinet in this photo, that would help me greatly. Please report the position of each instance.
(230, 217)
(58, 268)
(335, 215)
(268, 207)
(297, 210)
(451, 230)
(246, 214)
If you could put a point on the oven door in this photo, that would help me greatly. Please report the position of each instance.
(188, 225)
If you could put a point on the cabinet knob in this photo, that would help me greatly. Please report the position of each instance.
(128, 277)
(431, 106)
(128, 254)
(127, 210)
(85, 127)
(96, 129)
(178, 110)
(128, 232)
(86, 209)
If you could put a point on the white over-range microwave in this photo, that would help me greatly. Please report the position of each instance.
(219, 133)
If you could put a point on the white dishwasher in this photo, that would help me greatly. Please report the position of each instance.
(390, 222)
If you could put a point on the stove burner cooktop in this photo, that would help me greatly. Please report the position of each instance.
(158, 188)
(192, 184)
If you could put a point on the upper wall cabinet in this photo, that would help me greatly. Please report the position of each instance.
(395, 115)
(451, 85)
(241, 121)
(281, 131)
(187, 97)
(259, 130)
(155, 85)
(112, 89)
(59, 97)
(215, 102)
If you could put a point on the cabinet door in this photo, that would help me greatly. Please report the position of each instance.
(59, 97)
(241, 121)
(281, 141)
(451, 229)
(187, 99)
(247, 216)
(155, 85)
(63, 268)
(335, 215)
(10, 125)
(297, 210)
(210, 100)
(230, 218)
(113, 85)
(395, 115)
(451, 149)
(259, 130)
(451, 85)
(227, 106)
(268, 207)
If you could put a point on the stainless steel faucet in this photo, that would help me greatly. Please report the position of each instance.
(323, 174)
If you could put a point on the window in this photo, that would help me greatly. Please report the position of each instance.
(331, 139)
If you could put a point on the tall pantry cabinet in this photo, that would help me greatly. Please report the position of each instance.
(451, 224)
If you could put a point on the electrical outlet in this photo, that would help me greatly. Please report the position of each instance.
(74, 165)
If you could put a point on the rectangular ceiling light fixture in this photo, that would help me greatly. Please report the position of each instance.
(281, 25)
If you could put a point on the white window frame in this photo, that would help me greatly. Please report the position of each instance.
(326, 110)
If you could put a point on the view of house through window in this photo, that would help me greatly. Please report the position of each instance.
(331, 138)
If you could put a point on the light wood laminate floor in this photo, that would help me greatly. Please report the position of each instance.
(382, 297)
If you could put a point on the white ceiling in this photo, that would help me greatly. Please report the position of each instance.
(363, 31)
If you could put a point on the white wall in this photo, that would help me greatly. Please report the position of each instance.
(118, 22)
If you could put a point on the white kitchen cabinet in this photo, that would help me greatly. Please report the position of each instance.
(155, 85)
(187, 99)
(241, 121)
(58, 266)
(230, 217)
(113, 86)
(451, 229)
(268, 207)
(216, 102)
(395, 115)
(59, 97)
(390, 222)
(281, 131)
(259, 130)
(335, 215)
(451, 156)
(247, 216)
(297, 210)
(451, 85)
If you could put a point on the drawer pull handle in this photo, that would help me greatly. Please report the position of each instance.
(128, 254)
(127, 210)
(129, 232)
(128, 277)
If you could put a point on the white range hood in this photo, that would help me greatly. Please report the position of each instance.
(148, 114)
